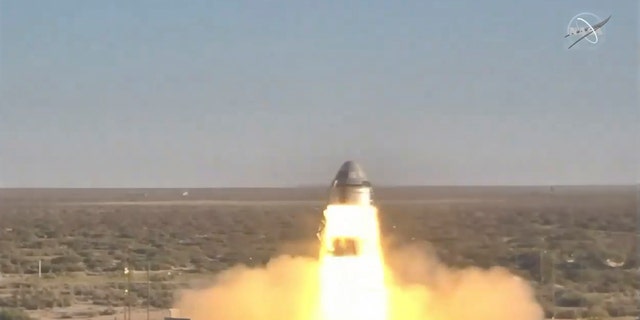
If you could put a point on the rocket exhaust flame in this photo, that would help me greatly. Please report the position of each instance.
(350, 280)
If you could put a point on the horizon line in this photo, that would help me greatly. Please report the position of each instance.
(309, 186)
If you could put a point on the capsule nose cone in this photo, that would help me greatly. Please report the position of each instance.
(350, 174)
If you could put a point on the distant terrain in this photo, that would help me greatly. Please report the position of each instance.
(578, 245)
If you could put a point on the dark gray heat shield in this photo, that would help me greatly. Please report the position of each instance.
(351, 174)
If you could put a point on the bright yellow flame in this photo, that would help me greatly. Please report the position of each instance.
(352, 278)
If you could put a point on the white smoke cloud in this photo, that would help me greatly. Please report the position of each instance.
(422, 288)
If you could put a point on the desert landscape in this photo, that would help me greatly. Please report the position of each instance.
(63, 252)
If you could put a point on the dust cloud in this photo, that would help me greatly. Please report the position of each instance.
(419, 287)
(424, 288)
(286, 288)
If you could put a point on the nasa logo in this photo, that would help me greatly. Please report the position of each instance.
(587, 25)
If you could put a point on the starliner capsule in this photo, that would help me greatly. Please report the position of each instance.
(350, 186)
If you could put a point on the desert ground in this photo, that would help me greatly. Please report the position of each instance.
(577, 246)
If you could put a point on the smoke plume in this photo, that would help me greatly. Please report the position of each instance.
(285, 289)
(424, 288)
(420, 287)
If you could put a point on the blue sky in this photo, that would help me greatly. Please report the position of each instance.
(277, 93)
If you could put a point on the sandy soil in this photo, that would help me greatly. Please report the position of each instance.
(73, 311)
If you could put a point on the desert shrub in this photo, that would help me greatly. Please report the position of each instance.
(84, 290)
(108, 312)
(65, 301)
(161, 299)
(160, 277)
(566, 314)
(66, 263)
(98, 263)
(601, 286)
(86, 314)
(548, 312)
(577, 274)
(632, 260)
(620, 310)
(596, 312)
(29, 304)
(38, 299)
(10, 301)
(570, 298)
(13, 314)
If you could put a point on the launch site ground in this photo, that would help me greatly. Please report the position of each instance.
(577, 243)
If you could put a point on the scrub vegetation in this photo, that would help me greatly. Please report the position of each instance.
(577, 246)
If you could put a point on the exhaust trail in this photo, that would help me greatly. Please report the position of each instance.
(354, 279)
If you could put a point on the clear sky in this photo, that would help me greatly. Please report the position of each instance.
(276, 93)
